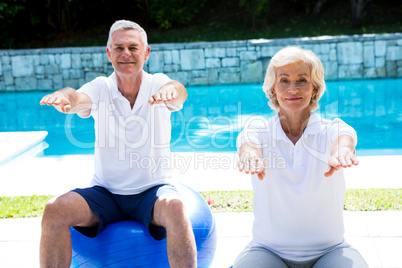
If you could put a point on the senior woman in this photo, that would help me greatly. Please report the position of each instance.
(296, 160)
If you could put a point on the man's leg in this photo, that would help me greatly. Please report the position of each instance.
(60, 213)
(169, 212)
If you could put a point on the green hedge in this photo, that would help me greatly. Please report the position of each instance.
(52, 23)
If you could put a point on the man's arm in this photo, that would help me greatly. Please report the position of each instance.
(68, 100)
(342, 154)
(173, 94)
(250, 160)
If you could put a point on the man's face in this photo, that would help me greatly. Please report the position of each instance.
(127, 53)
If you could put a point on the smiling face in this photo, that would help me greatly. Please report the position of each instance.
(293, 87)
(127, 53)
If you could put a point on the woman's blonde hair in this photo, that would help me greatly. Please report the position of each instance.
(293, 54)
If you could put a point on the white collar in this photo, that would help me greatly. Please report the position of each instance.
(313, 127)
(143, 93)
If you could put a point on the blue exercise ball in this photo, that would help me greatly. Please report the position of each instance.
(129, 244)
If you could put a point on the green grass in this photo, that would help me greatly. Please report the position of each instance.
(22, 206)
(222, 201)
(373, 200)
(355, 200)
(229, 201)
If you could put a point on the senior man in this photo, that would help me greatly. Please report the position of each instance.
(131, 109)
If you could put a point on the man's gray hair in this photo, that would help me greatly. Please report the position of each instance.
(127, 25)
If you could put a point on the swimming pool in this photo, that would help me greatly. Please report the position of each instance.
(213, 116)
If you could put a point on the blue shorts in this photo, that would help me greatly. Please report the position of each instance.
(111, 207)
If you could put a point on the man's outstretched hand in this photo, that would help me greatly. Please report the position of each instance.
(167, 93)
(57, 100)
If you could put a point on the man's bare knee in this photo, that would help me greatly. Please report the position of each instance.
(53, 211)
(67, 210)
(168, 210)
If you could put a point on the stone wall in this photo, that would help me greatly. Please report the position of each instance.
(204, 63)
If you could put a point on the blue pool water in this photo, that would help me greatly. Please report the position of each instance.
(213, 116)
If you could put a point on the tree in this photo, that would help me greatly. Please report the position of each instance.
(318, 6)
(357, 10)
(256, 9)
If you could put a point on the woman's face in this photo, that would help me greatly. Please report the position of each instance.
(293, 87)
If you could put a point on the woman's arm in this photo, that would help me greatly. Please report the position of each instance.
(68, 100)
(342, 154)
(250, 160)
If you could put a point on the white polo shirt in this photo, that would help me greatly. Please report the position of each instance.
(298, 212)
(132, 147)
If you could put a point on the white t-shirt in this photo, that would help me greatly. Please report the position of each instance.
(298, 212)
(132, 147)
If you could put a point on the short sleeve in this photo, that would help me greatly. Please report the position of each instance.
(339, 127)
(94, 90)
(254, 131)
(158, 81)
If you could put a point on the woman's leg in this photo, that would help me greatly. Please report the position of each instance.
(258, 257)
(342, 257)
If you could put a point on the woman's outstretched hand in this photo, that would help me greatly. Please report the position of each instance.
(342, 155)
(250, 160)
